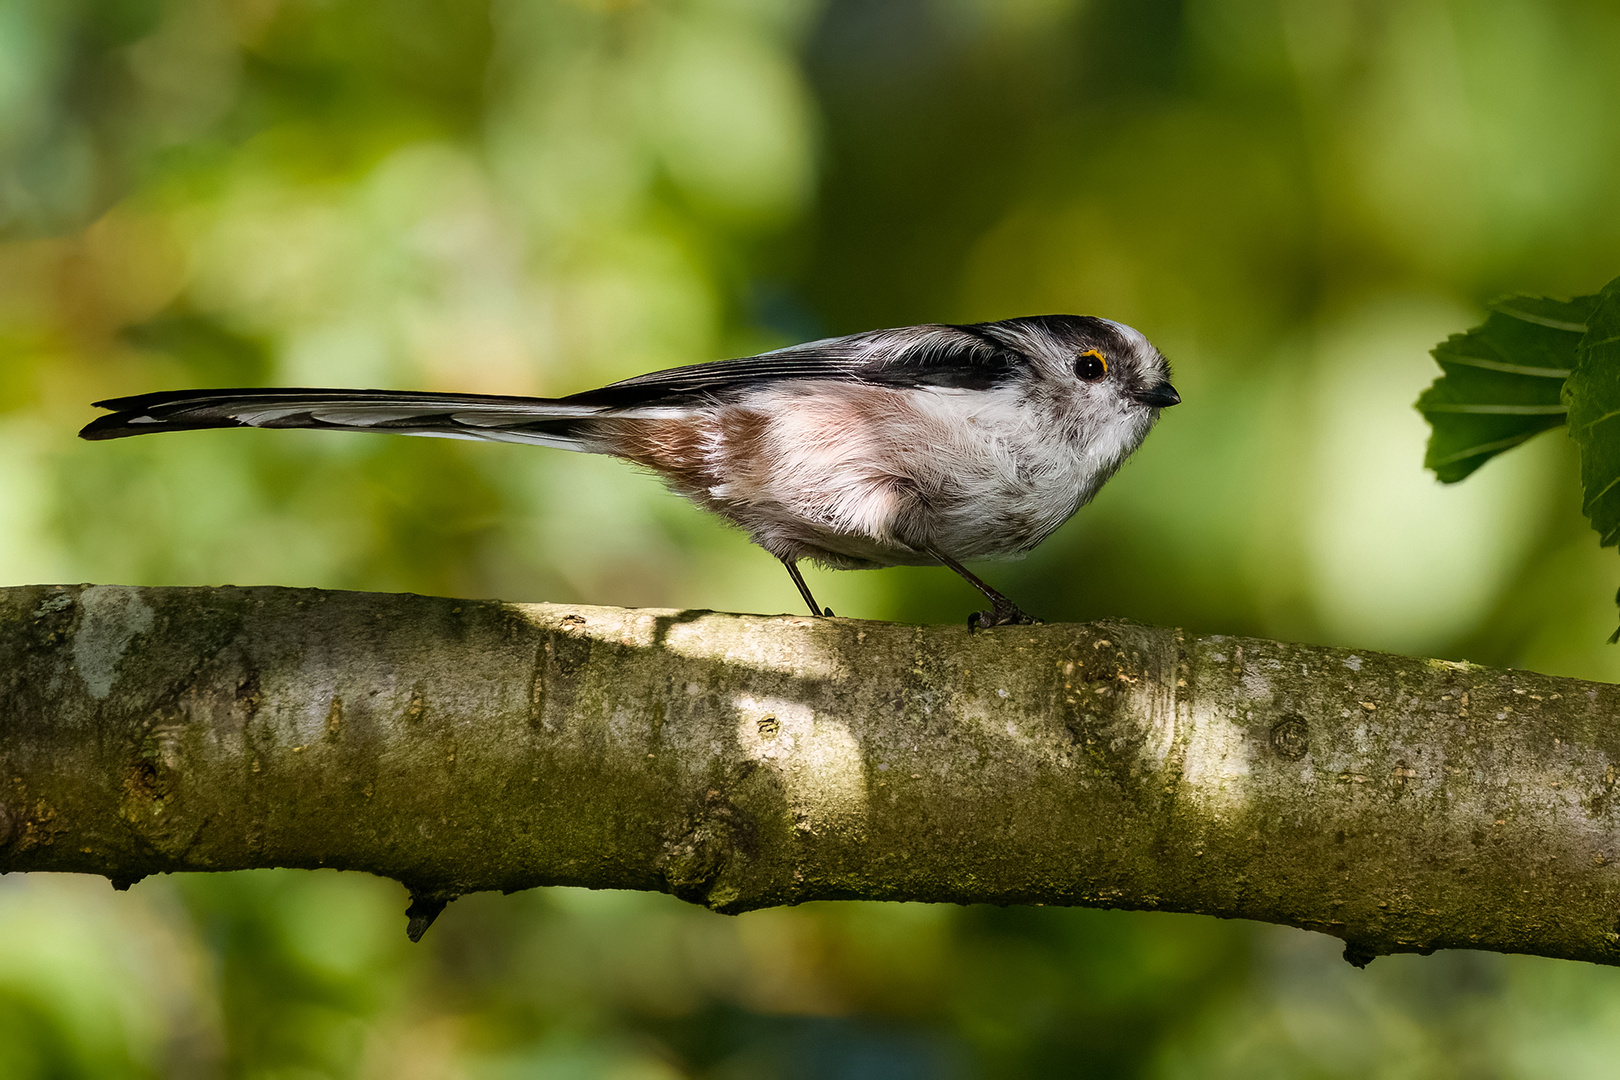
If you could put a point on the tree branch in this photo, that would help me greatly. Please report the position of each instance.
(741, 762)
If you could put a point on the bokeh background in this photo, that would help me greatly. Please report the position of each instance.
(1294, 198)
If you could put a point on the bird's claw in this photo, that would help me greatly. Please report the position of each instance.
(1010, 615)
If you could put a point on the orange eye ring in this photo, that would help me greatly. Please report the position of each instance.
(1091, 365)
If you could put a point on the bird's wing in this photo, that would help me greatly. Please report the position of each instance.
(967, 357)
(949, 356)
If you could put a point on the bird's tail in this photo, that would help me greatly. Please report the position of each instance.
(536, 421)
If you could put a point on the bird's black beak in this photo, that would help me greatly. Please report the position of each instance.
(1160, 397)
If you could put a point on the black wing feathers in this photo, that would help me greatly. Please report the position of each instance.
(971, 360)
(966, 357)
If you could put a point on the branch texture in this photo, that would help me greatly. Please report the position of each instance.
(741, 762)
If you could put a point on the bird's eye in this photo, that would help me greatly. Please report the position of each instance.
(1091, 365)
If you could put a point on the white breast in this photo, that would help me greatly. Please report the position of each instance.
(877, 474)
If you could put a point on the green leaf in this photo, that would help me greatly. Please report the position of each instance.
(1502, 381)
(1593, 396)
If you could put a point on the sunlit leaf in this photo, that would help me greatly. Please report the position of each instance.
(1503, 381)
(1593, 396)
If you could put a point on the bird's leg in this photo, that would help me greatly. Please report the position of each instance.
(804, 590)
(1003, 612)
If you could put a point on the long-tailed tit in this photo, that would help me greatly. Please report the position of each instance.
(924, 445)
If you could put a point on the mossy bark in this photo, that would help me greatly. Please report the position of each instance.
(741, 762)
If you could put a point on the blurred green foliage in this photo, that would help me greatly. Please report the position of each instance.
(1294, 198)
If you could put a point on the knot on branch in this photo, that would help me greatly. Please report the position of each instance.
(425, 906)
(1359, 955)
(696, 860)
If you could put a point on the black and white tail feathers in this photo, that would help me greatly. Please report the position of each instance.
(536, 421)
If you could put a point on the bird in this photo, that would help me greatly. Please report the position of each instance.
(920, 445)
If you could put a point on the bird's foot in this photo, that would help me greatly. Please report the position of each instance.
(1001, 614)
(826, 613)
